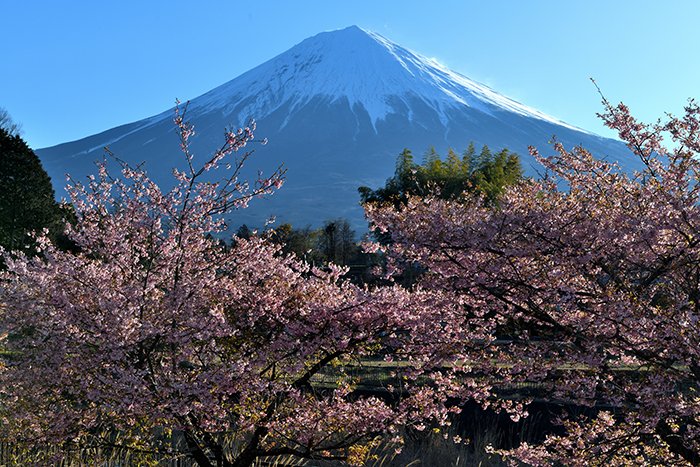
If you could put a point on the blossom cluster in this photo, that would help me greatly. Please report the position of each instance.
(150, 325)
(593, 275)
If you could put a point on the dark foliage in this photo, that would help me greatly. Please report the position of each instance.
(27, 200)
(484, 173)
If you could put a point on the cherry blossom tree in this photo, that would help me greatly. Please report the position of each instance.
(594, 274)
(153, 335)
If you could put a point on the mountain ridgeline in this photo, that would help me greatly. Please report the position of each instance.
(337, 108)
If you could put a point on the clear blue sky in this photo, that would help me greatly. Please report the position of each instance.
(70, 69)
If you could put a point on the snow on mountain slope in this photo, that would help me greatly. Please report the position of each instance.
(366, 69)
(337, 108)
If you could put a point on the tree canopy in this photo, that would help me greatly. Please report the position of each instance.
(484, 173)
(27, 202)
(153, 331)
(606, 265)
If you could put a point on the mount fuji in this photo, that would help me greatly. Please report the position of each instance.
(337, 109)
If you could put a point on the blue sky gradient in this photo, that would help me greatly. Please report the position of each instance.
(72, 69)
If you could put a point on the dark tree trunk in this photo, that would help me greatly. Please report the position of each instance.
(250, 453)
(675, 443)
(197, 453)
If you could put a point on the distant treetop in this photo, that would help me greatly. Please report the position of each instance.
(484, 173)
(6, 123)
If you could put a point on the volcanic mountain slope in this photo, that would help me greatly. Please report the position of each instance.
(337, 108)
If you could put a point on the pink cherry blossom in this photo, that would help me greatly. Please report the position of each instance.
(594, 276)
(149, 325)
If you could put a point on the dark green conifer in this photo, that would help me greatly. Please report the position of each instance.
(485, 173)
(27, 201)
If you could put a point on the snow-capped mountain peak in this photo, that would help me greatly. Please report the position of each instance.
(337, 108)
(365, 68)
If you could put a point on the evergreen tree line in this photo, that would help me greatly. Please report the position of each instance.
(484, 173)
(334, 242)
